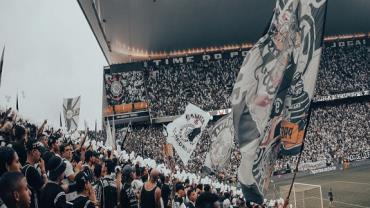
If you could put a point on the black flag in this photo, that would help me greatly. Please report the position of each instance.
(16, 105)
(60, 120)
(1, 63)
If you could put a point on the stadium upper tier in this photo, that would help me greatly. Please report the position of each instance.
(207, 80)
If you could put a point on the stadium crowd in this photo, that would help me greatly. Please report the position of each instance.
(335, 133)
(342, 70)
(42, 167)
(208, 84)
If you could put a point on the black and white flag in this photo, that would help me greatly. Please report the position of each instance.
(71, 111)
(222, 138)
(273, 90)
(185, 131)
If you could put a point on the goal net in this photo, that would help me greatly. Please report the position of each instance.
(304, 195)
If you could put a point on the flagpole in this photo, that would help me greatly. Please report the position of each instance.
(286, 202)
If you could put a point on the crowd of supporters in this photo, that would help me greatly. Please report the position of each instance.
(208, 84)
(335, 133)
(42, 167)
(343, 69)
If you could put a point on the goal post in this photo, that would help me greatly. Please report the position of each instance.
(304, 195)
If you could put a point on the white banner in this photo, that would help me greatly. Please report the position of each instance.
(71, 111)
(184, 132)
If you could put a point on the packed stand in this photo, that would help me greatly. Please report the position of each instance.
(342, 70)
(335, 132)
(207, 84)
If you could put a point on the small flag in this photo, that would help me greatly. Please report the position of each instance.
(2, 63)
(60, 120)
(16, 104)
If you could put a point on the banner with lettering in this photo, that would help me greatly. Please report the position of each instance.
(184, 132)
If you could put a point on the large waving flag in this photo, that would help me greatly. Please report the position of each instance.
(184, 132)
(273, 90)
(71, 110)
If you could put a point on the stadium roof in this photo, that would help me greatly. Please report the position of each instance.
(130, 29)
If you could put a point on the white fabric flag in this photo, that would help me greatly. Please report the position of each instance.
(109, 141)
(184, 132)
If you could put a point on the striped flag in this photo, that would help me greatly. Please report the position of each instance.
(71, 111)
(272, 93)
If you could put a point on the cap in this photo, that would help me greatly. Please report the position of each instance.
(55, 166)
(82, 178)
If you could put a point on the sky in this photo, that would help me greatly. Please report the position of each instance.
(50, 54)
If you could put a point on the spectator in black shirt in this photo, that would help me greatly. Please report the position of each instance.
(127, 197)
(53, 194)
(86, 194)
(19, 145)
(166, 189)
(192, 196)
(106, 188)
(179, 197)
(9, 160)
(14, 191)
(34, 170)
(206, 199)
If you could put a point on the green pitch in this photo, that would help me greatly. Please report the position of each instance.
(351, 188)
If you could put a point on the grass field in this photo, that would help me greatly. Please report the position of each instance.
(351, 188)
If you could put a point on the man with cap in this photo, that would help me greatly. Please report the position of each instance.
(86, 194)
(34, 170)
(106, 189)
(179, 197)
(53, 194)
(128, 197)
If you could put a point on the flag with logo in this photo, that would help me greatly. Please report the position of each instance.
(184, 132)
(222, 142)
(71, 111)
(273, 90)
